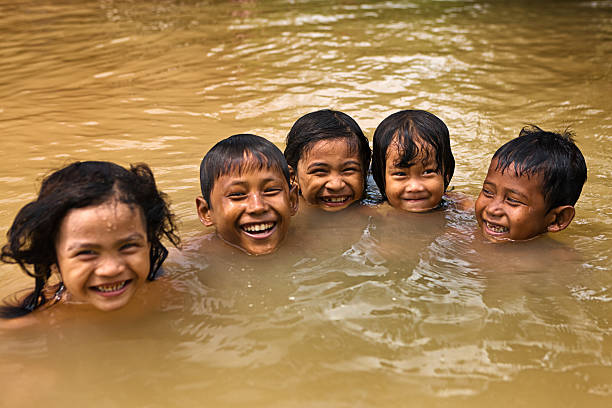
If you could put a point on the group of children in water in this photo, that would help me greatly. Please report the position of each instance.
(97, 227)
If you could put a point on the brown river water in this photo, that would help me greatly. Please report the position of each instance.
(354, 311)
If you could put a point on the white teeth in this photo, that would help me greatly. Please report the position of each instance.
(336, 199)
(496, 228)
(111, 288)
(258, 227)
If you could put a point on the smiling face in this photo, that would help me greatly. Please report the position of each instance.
(511, 207)
(103, 254)
(416, 188)
(251, 210)
(330, 175)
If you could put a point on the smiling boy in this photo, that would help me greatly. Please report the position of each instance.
(531, 187)
(246, 193)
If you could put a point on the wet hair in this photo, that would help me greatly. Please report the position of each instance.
(239, 154)
(327, 124)
(31, 238)
(416, 133)
(552, 156)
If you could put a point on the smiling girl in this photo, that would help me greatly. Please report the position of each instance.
(329, 158)
(96, 227)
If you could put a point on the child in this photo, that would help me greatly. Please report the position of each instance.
(98, 227)
(412, 162)
(329, 158)
(531, 187)
(246, 193)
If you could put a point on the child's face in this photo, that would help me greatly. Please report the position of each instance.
(330, 176)
(511, 207)
(103, 254)
(251, 210)
(417, 188)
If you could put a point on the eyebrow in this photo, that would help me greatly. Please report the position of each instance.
(518, 193)
(354, 162)
(317, 164)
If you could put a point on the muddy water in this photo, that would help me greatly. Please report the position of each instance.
(355, 310)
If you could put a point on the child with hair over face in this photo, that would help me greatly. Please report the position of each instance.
(246, 193)
(97, 227)
(412, 162)
(531, 187)
(329, 157)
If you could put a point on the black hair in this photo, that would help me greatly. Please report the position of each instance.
(31, 238)
(327, 124)
(239, 153)
(414, 131)
(553, 156)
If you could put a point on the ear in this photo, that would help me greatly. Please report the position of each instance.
(293, 178)
(293, 198)
(204, 212)
(560, 217)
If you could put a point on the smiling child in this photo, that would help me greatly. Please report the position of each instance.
(97, 227)
(246, 193)
(329, 158)
(412, 162)
(531, 187)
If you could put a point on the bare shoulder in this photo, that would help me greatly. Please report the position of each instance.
(460, 201)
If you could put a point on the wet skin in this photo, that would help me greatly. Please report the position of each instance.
(416, 188)
(514, 208)
(103, 254)
(251, 210)
(330, 176)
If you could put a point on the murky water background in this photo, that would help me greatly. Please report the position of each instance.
(354, 311)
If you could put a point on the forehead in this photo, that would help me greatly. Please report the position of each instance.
(529, 185)
(250, 173)
(99, 220)
(395, 153)
(336, 148)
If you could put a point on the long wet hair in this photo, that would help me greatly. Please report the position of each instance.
(327, 124)
(415, 132)
(31, 238)
(553, 156)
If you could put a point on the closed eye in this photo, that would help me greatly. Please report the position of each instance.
(317, 172)
(130, 246)
(514, 201)
(236, 196)
(272, 191)
(487, 193)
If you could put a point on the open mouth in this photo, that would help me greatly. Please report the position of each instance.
(335, 200)
(495, 228)
(259, 230)
(112, 289)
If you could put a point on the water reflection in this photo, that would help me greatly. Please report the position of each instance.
(368, 310)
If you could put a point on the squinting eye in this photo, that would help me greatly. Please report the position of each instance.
(85, 252)
(513, 201)
(129, 245)
(487, 193)
(398, 173)
(236, 195)
(429, 171)
(351, 170)
(272, 190)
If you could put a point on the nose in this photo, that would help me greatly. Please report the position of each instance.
(335, 183)
(110, 266)
(494, 207)
(414, 185)
(256, 204)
